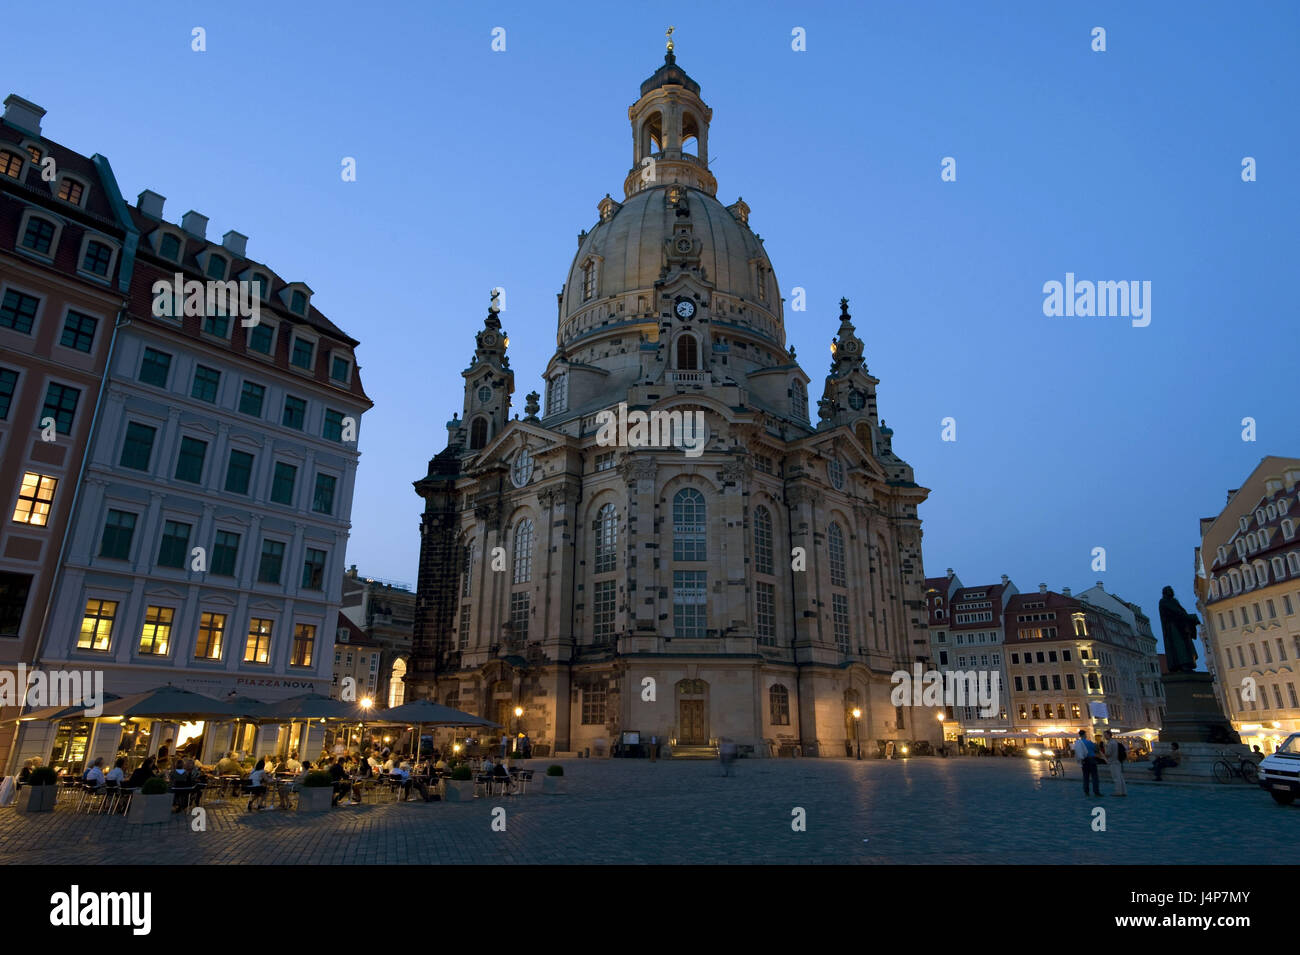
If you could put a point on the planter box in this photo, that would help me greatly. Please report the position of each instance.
(37, 798)
(459, 790)
(146, 810)
(553, 785)
(315, 798)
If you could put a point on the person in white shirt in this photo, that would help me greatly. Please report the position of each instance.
(117, 775)
(257, 785)
(1085, 751)
(292, 762)
(1115, 763)
(95, 774)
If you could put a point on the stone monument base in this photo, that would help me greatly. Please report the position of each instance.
(1197, 764)
(1192, 712)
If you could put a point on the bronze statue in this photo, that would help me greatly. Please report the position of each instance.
(1179, 630)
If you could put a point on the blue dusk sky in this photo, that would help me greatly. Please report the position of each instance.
(478, 168)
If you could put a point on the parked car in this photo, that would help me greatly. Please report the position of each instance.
(1279, 772)
(1040, 752)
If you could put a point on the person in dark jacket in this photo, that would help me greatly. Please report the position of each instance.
(340, 776)
(146, 770)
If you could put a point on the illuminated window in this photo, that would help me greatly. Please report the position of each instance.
(34, 499)
(257, 649)
(304, 642)
(156, 636)
(212, 631)
(97, 625)
(11, 164)
(70, 191)
(1074, 711)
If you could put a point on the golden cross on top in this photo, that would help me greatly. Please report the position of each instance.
(669, 34)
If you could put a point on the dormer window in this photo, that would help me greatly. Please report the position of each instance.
(97, 258)
(1288, 528)
(11, 164)
(263, 284)
(35, 153)
(340, 369)
(216, 267)
(301, 354)
(798, 400)
(298, 302)
(71, 191)
(261, 337)
(557, 398)
(169, 247)
(589, 281)
(39, 235)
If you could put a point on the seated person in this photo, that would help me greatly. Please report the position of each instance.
(340, 776)
(292, 763)
(229, 766)
(364, 771)
(183, 779)
(94, 776)
(501, 777)
(294, 785)
(1161, 763)
(146, 770)
(117, 775)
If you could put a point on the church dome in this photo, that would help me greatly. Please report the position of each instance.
(628, 252)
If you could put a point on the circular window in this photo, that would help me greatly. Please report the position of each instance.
(485, 394)
(835, 470)
(521, 469)
(857, 400)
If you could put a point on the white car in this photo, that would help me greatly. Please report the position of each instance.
(1279, 773)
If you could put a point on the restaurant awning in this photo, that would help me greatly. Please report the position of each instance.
(169, 702)
(429, 713)
(55, 713)
(313, 706)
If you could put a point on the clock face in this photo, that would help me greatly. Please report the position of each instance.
(489, 339)
(683, 245)
(685, 308)
(857, 400)
(484, 394)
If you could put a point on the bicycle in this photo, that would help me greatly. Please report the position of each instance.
(1245, 769)
(1056, 767)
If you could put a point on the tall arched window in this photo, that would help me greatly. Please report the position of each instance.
(835, 546)
(798, 400)
(606, 539)
(467, 570)
(477, 434)
(397, 683)
(779, 705)
(762, 540)
(523, 549)
(688, 525)
(688, 353)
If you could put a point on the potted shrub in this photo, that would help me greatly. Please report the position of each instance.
(553, 781)
(41, 790)
(460, 787)
(153, 803)
(317, 792)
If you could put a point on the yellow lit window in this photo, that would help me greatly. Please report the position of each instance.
(70, 191)
(34, 499)
(258, 647)
(156, 636)
(304, 642)
(97, 625)
(212, 630)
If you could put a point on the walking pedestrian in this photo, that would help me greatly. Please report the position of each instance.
(1116, 755)
(1085, 751)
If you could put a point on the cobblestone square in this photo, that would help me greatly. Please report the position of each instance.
(632, 811)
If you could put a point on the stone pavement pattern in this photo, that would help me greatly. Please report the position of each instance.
(632, 811)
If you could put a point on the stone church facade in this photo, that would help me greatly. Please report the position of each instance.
(761, 588)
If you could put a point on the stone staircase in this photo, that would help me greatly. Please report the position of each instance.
(702, 751)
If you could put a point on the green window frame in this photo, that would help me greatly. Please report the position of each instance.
(175, 545)
(251, 396)
(322, 499)
(189, 463)
(137, 447)
(78, 331)
(207, 381)
(119, 530)
(61, 405)
(154, 367)
(239, 472)
(282, 484)
(225, 552)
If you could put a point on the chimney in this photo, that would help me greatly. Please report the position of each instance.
(150, 204)
(950, 573)
(1065, 591)
(1101, 587)
(23, 114)
(236, 242)
(1005, 580)
(195, 224)
(1042, 588)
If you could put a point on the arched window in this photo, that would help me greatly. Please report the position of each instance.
(1214, 587)
(1293, 562)
(688, 525)
(1235, 577)
(467, 570)
(798, 400)
(397, 683)
(477, 434)
(589, 281)
(523, 549)
(557, 397)
(1279, 568)
(1288, 528)
(938, 614)
(762, 540)
(1092, 682)
(779, 705)
(606, 539)
(1261, 572)
(835, 546)
(1248, 576)
(688, 353)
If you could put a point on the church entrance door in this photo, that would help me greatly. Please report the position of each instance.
(693, 730)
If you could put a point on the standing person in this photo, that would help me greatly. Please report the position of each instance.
(339, 774)
(1085, 751)
(654, 749)
(257, 786)
(1116, 755)
(726, 755)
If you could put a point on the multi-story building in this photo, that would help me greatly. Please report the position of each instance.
(1248, 595)
(384, 611)
(357, 657)
(66, 245)
(1146, 665)
(206, 549)
(760, 579)
(967, 628)
(1074, 665)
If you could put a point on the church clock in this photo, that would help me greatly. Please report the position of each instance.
(857, 400)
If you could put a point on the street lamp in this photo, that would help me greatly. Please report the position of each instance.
(857, 729)
(519, 712)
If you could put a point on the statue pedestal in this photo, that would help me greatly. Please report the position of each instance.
(1192, 712)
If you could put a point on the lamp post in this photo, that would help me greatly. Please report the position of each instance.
(366, 704)
(519, 712)
(857, 729)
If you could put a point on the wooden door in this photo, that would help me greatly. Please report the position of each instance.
(693, 732)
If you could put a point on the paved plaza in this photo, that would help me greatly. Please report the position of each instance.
(925, 810)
